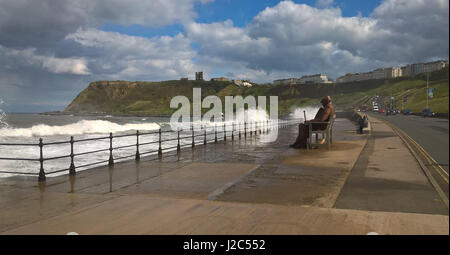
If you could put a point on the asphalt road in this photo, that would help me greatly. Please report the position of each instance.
(430, 133)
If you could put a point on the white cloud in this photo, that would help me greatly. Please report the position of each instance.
(123, 56)
(50, 63)
(324, 3)
(300, 38)
(65, 65)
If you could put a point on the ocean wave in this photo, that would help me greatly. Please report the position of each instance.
(78, 128)
(310, 112)
(249, 116)
(3, 123)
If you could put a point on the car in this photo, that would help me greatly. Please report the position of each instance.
(407, 112)
(428, 112)
(375, 107)
(381, 111)
(391, 112)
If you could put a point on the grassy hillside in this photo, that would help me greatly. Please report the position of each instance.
(146, 98)
(415, 88)
(153, 98)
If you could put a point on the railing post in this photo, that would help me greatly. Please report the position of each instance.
(232, 130)
(245, 130)
(239, 128)
(224, 132)
(261, 126)
(256, 127)
(72, 165)
(193, 139)
(178, 145)
(138, 155)
(215, 133)
(111, 159)
(41, 160)
(204, 135)
(251, 132)
(160, 147)
(267, 126)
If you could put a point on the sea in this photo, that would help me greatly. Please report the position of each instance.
(21, 128)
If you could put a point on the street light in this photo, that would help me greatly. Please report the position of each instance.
(428, 75)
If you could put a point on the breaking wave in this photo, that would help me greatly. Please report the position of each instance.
(310, 112)
(3, 123)
(248, 115)
(79, 128)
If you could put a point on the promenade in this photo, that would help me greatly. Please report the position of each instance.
(364, 183)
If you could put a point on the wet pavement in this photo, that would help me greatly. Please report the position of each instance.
(388, 178)
(240, 186)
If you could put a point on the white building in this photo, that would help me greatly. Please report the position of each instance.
(394, 72)
(286, 81)
(434, 66)
(386, 73)
(417, 68)
(242, 83)
(315, 78)
(380, 73)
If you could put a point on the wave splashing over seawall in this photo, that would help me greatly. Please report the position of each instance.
(79, 128)
(310, 112)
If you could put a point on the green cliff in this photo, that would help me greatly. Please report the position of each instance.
(153, 98)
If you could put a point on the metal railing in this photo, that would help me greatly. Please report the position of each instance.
(231, 130)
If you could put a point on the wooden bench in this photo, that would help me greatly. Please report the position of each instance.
(327, 133)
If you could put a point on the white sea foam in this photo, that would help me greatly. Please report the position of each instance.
(78, 128)
(310, 112)
(248, 116)
(3, 123)
(252, 115)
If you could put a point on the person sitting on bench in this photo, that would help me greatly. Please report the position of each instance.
(323, 115)
(362, 124)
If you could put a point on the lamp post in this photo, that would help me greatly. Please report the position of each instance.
(428, 75)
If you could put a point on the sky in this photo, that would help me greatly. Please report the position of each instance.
(51, 49)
